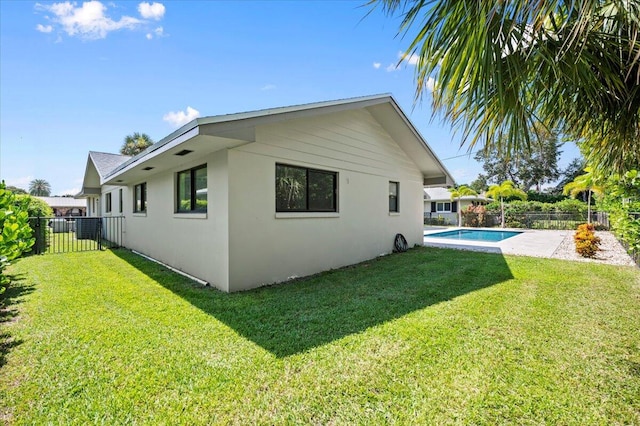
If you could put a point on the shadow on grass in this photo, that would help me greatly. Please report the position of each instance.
(289, 318)
(13, 295)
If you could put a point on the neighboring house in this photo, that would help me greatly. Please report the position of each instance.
(439, 207)
(255, 198)
(66, 206)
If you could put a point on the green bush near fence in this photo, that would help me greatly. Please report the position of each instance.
(39, 214)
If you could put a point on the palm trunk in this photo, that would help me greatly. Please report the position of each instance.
(589, 207)
(502, 211)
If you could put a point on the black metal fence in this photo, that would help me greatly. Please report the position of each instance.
(73, 234)
(533, 220)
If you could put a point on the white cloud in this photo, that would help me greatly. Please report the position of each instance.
(431, 84)
(411, 59)
(392, 67)
(376, 65)
(151, 10)
(88, 21)
(44, 28)
(180, 118)
(268, 87)
(159, 32)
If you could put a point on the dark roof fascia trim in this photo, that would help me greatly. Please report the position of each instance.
(140, 158)
(156, 146)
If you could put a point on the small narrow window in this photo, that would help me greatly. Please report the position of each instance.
(140, 201)
(120, 200)
(393, 197)
(107, 203)
(192, 190)
(299, 189)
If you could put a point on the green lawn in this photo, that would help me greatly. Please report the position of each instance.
(430, 336)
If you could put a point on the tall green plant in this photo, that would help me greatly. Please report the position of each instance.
(505, 190)
(136, 143)
(622, 202)
(496, 69)
(588, 182)
(40, 187)
(15, 232)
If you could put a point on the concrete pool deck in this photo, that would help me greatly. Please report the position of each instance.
(536, 243)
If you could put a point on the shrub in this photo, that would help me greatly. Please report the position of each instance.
(587, 244)
(35, 206)
(475, 216)
(15, 233)
(436, 221)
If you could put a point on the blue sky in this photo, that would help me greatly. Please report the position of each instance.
(80, 76)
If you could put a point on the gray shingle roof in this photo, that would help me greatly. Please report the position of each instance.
(106, 162)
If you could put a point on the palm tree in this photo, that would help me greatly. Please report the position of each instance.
(135, 144)
(499, 68)
(39, 187)
(457, 194)
(505, 190)
(589, 183)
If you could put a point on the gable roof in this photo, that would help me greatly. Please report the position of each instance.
(99, 164)
(209, 134)
(105, 162)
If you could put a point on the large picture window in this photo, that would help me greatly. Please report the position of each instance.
(192, 190)
(394, 189)
(140, 200)
(299, 189)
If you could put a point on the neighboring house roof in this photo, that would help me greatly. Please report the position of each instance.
(63, 202)
(209, 134)
(443, 194)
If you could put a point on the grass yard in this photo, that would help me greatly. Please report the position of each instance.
(431, 336)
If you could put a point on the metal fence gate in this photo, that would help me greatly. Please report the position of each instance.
(73, 234)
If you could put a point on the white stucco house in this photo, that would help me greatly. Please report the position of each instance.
(254, 198)
(438, 205)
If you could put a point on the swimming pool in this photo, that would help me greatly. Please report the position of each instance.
(474, 235)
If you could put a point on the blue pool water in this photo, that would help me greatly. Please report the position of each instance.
(474, 235)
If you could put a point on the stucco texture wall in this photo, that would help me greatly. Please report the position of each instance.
(265, 247)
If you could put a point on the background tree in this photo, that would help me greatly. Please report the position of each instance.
(505, 190)
(572, 171)
(16, 190)
(136, 143)
(457, 194)
(527, 167)
(39, 187)
(479, 184)
(500, 68)
(589, 183)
